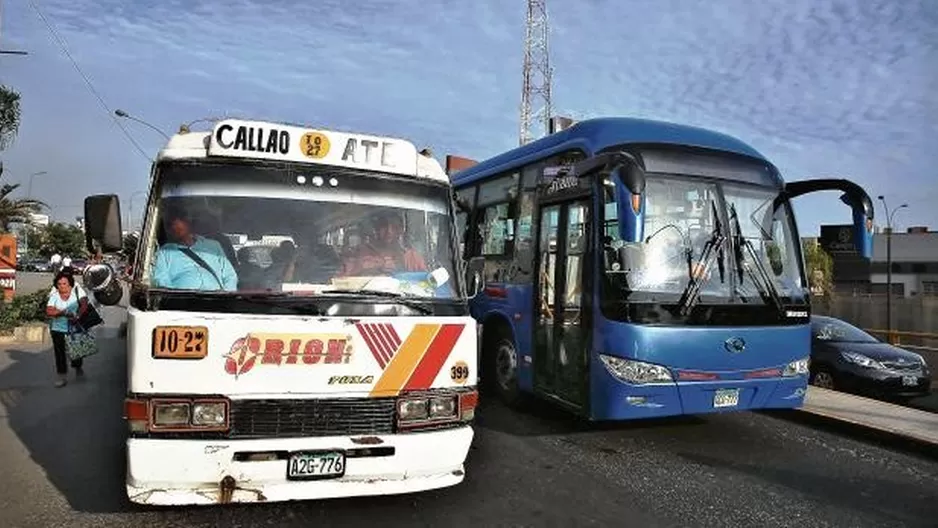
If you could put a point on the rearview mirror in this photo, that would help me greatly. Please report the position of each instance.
(628, 177)
(475, 281)
(862, 208)
(103, 224)
(629, 181)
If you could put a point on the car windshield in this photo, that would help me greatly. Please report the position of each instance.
(681, 216)
(840, 332)
(293, 229)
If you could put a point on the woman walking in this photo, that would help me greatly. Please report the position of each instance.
(66, 304)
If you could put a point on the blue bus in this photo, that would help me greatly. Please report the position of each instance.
(627, 268)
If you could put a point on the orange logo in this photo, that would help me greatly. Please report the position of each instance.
(286, 349)
(412, 363)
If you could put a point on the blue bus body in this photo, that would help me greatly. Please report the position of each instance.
(603, 347)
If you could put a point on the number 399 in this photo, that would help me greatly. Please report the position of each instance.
(459, 372)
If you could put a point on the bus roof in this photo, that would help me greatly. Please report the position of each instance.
(594, 135)
(259, 140)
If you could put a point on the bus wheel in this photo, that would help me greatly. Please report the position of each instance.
(504, 366)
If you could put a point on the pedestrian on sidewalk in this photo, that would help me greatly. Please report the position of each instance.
(66, 304)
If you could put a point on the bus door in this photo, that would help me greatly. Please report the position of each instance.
(562, 320)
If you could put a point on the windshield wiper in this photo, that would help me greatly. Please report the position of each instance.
(769, 293)
(712, 249)
(399, 298)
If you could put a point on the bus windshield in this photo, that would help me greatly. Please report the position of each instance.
(294, 229)
(681, 215)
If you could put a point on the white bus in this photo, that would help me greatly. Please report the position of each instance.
(341, 363)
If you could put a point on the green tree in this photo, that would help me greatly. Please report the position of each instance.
(64, 239)
(820, 268)
(9, 115)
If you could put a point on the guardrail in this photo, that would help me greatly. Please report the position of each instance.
(922, 340)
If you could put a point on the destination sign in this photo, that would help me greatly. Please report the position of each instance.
(560, 179)
(271, 141)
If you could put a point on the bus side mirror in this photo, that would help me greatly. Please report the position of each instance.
(475, 281)
(103, 224)
(629, 180)
(862, 223)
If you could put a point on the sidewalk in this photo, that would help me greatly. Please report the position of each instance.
(902, 421)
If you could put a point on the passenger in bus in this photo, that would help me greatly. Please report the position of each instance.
(190, 261)
(386, 252)
(282, 267)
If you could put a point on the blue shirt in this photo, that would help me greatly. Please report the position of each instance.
(70, 305)
(175, 269)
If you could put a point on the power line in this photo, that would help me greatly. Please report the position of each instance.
(61, 42)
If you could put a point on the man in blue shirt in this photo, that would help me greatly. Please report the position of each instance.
(190, 261)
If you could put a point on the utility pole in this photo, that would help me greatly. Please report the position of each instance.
(889, 218)
(536, 73)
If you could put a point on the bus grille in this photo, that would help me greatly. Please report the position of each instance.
(305, 418)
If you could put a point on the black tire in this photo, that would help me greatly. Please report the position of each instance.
(824, 378)
(500, 367)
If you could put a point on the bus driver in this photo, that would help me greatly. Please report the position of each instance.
(386, 252)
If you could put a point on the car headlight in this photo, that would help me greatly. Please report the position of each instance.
(798, 367)
(864, 361)
(636, 372)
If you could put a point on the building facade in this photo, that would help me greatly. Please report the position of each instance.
(914, 261)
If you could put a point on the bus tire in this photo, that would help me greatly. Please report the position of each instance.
(501, 368)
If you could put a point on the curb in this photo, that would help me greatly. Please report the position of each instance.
(29, 333)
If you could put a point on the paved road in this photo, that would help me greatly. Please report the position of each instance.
(28, 282)
(61, 459)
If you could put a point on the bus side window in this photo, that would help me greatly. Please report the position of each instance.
(496, 220)
(524, 238)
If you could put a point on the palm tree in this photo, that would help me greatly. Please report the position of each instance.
(15, 210)
(9, 115)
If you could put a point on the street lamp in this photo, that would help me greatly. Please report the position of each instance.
(29, 194)
(889, 218)
(125, 115)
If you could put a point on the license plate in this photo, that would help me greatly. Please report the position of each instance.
(909, 381)
(180, 342)
(315, 465)
(726, 398)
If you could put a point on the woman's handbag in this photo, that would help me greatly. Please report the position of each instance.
(79, 344)
(91, 318)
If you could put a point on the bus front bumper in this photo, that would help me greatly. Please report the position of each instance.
(190, 472)
(615, 400)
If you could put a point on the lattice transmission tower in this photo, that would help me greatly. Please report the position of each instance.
(535, 91)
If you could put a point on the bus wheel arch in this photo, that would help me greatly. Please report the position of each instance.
(500, 359)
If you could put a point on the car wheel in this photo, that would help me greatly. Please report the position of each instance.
(824, 379)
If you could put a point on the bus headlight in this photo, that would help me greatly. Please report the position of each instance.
(171, 414)
(179, 415)
(412, 410)
(635, 372)
(211, 414)
(796, 368)
(436, 409)
(443, 407)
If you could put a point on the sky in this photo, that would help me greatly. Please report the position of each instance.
(844, 88)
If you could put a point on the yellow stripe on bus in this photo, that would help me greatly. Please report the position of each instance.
(405, 361)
